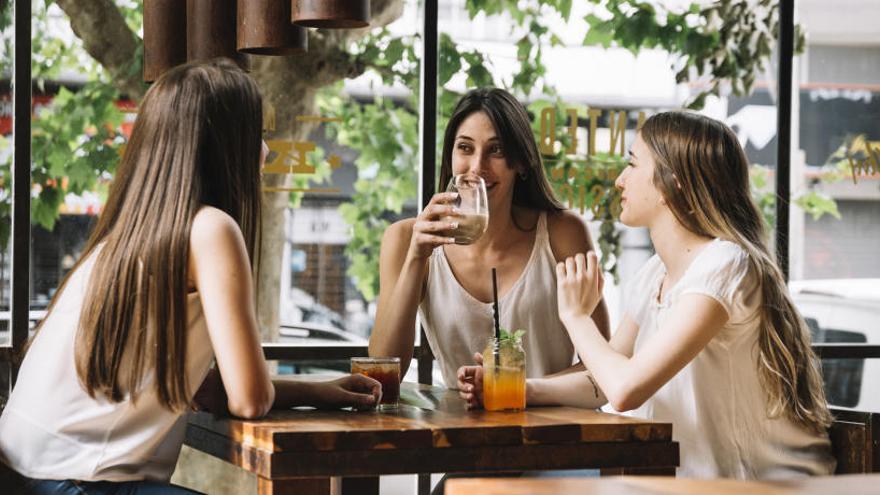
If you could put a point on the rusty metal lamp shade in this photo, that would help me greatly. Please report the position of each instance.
(332, 14)
(264, 28)
(210, 31)
(164, 36)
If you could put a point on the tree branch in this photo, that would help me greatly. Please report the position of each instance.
(109, 40)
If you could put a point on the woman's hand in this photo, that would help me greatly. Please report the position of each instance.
(433, 223)
(470, 383)
(579, 285)
(358, 391)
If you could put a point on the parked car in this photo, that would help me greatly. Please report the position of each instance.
(309, 334)
(844, 311)
(34, 317)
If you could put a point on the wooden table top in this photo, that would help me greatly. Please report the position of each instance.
(431, 431)
(648, 485)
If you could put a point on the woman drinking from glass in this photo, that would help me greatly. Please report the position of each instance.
(426, 268)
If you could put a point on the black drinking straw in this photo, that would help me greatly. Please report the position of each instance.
(495, 348)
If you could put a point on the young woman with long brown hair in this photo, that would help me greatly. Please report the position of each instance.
(423, 271)
(710, 339)
(164, 285)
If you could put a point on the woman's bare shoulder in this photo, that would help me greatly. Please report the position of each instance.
(213, 232)
(211, 225)
(568, 234)
(399, 232)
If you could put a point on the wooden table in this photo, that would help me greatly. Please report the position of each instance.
(297, 451)
(856, 484)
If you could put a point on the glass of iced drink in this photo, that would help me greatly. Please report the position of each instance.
(504, 382)
(473, 204)
(385, 370)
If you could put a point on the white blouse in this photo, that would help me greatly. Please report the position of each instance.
(52, 429)
(716, 402)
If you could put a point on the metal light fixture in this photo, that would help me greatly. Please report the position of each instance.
(210, 31)
(164, 36)
(264, 28)
(333, 14)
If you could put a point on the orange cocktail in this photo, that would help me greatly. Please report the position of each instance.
(504, 385)
(504, 389)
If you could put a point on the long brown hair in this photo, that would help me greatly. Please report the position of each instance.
(196, 141)
(511, 122)
(703, 174)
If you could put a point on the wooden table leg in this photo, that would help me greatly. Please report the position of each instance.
(637, 472)
(296, 486)
(360, 486)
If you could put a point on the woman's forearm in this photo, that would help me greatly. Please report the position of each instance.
(609, 368)
(575, 389)
(394, 330)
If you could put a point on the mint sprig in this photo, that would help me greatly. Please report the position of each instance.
(516, 335)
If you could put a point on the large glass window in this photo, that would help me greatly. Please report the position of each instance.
(589, 80)
(835, 232)
(343, 163)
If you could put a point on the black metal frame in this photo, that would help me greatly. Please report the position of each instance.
(21, 178)
(22, 159)
(783, 132)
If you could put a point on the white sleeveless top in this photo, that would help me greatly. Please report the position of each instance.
(52, 429)
(716, 403)
(457, 324)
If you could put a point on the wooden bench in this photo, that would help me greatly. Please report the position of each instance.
(855, 441)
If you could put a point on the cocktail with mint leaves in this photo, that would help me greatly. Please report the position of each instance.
(504, 382)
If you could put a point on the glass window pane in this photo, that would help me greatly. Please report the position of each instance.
(7, 47)
(835, 217)
(577, 80)
(341, 172)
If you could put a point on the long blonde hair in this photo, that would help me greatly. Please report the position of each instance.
(703, 174)
(196, 141)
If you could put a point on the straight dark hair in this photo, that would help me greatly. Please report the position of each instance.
(196, 141)
(512, 125)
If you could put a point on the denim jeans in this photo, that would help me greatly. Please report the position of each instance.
(73, 487)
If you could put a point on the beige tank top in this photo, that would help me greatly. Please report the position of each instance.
(457, 324)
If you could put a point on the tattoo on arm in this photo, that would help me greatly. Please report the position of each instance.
(595, 387)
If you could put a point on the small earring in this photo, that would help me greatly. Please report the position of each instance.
(523, 175)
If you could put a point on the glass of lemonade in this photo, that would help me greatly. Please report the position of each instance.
(385, 370)
(473, 204)
(504, 383)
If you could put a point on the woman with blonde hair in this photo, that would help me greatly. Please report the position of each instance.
(164, 287)
(710, 339)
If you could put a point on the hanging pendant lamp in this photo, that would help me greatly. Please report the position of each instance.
(210, 31)
(164, 37)
(264, 28)
(332, 14)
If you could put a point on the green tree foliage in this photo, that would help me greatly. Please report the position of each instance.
(724, 44)
(76, 139)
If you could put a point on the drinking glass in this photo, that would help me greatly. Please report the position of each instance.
(385, 370)
(504, 382)
(473, 204)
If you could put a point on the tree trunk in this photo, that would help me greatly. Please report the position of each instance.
(109, 40)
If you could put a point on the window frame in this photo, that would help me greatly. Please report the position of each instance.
(22, 95)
